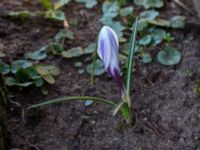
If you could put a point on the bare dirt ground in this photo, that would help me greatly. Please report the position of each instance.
(167, 108)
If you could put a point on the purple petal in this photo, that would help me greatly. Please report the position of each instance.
(116, 75)
(108, 51)
(113, 42)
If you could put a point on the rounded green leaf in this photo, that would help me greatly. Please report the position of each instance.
(145, 40)
(38, 82)
(32, 72)
(56, 48)
(4, 68)
(99, 68)
(78, 64)
(64, 33)
(60, 4)
(37, 55)
(80, 71)
(90, 49)
(110, 10)
(16, 65)
(49, 79)
(88, 4)
(158, 36)
(178, 22)
(149, 14)
(160, 22)
(153, 3)
(10, 81)
(42, 70)
(44, 91)
(139, 2)
(22, 75)
(150, 3)
(142, 24)
(146, 58)
(53, 70)
(47, 70)
(169, 56)
(126, 11)
(55, 15)
(73, 52)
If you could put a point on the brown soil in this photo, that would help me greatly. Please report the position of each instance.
(166, 107)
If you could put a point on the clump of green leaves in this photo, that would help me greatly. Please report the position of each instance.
(112, 10)
(151, 17)
(57, 49)
(150, 24)
(152, 33)
(78, 51)
(153, 37)
(52, 11)
(23, 73)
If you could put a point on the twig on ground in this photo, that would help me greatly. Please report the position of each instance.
(181, 4)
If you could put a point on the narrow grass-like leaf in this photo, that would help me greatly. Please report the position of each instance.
(74, 98)
(130, 56)
(93, 65)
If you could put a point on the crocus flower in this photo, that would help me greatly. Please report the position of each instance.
(108, 51)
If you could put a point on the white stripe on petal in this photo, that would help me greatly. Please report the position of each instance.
(115, 35)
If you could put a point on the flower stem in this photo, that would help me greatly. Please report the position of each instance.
(93, 65)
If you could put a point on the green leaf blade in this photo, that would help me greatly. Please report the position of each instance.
(130, 58)
(73, 98)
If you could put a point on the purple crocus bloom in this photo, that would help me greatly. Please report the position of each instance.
(108, 51)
